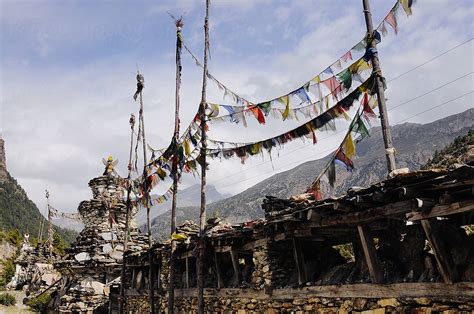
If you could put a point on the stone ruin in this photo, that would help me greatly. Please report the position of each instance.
(94, 261)
(34, 271)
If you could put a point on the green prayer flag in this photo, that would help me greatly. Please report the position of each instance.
(346, 78)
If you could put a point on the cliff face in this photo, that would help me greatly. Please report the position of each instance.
(3, 162)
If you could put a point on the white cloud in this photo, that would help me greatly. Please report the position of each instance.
(59, 120)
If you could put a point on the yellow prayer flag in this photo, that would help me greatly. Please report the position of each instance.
(285, 100)
(349, 146)
(178, 237)
(316, 79)
(406, 6)
(187, 148)
(360, 65)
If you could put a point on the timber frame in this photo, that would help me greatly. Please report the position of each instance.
(431, 204)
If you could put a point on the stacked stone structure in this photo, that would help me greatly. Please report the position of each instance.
(95, 259)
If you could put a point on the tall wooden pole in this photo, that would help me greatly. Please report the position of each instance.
(174, 170)
(202, 160)
(50, 226)
(127, 217)
(386, 132)
(140, 79)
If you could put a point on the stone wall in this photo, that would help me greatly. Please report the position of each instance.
(308, 304)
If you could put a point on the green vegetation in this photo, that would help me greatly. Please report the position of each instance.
(7, 299)
(17, 211)
(452, 153)
(40, 304)
(346, 250)
(8, 271)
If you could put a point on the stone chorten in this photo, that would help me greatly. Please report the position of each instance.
(95, 258)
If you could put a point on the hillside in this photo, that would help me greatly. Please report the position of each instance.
(17, 211)
(415, 144)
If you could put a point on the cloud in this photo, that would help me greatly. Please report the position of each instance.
(67, 85)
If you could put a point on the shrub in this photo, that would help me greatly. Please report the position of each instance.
(7, 299)
(40, 304)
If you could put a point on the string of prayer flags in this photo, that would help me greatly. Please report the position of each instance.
(326, 76)
(337, 86)
(321, 122)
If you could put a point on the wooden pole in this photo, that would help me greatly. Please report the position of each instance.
(174, 170)
(145, 196)
(370, 253)
(202, 160)
(50, 227)
(386, 132)
(127, 217)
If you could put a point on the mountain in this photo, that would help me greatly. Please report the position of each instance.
(190, 196)
(17, 211)
(415, 144)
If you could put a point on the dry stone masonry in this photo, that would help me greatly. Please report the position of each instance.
(94, 261)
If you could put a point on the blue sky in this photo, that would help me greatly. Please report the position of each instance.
(67, 76)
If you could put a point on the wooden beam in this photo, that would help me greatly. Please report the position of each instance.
(361, 290)
(442, 210)
(235, 263)
(222, 249)
(371, 214)
(370, 254)
(220, 282)
(187, 272)
(299, 260)
(443, 258)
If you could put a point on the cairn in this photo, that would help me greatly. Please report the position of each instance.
(94, 261)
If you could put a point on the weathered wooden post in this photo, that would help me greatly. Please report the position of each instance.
(174, 170)
(202, 160)
(127, 217)
(386, 132)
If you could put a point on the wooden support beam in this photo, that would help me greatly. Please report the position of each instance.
(385, 211)
(443, 258)
(462, 290)
(235, 263)
(370, 254)
(299, 260)
(220, 282)
(187, 272)
(442, 210)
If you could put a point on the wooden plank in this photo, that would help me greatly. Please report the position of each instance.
(442, 210)
(252, 245)
(362, 290)
(220, 282)
(371, 214)
(187, 272)
(222, 249)
(299, 260)
(443, 258)
(185, 255)
(370, 254)
(235, 263)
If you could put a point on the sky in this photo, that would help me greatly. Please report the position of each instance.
(68, 70)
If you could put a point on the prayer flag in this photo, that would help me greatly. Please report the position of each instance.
(392, 21)
(349, 146)
(343, 160)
